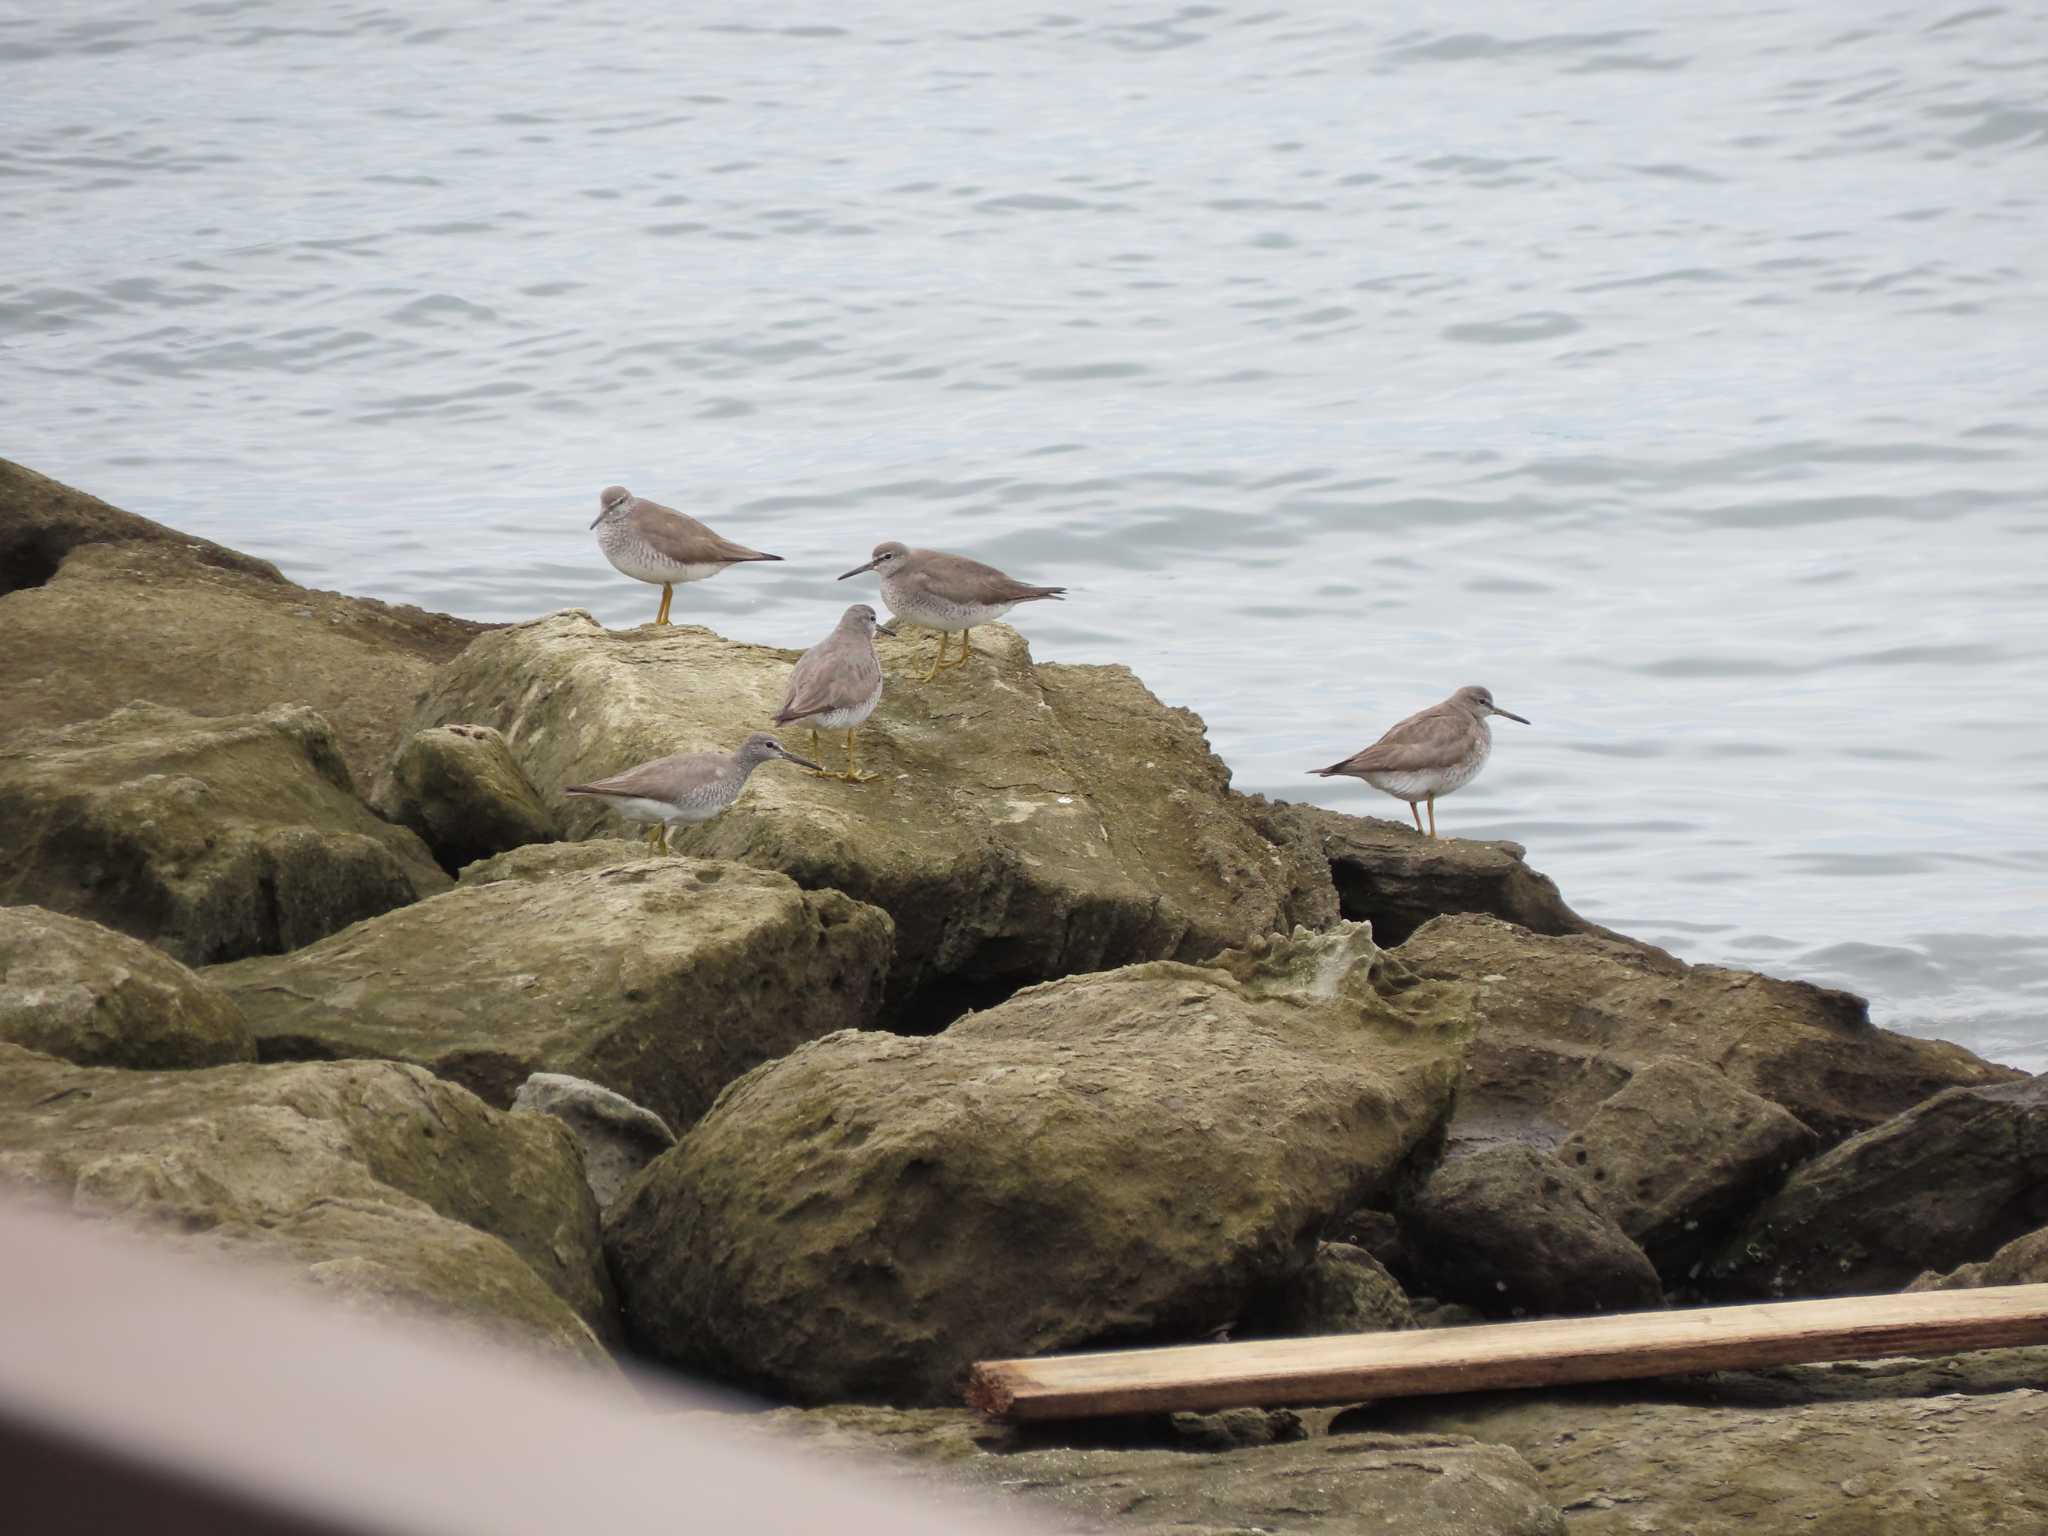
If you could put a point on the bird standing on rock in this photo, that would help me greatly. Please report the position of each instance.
(837, 684)
(691, 786)
(657, 544)
(1431, 753)
(935, 590)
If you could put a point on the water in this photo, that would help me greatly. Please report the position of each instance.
(1675, 371)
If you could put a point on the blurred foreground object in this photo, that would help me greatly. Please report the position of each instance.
(147, 1391)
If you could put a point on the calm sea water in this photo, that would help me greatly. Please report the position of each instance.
(1677, 371)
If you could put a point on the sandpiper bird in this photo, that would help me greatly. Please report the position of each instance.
(657, 544)
(692, 786)
(1431, 753)
(934, 590)
(837, 684)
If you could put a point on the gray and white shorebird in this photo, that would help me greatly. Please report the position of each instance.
(661, 546)
(1431, 753)
(837, 684)
(691, 786)
(949, 593)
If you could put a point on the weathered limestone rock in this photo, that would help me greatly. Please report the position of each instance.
(2023, 1261)
(660, 978)
(1678, 1154)
(1509, 1229)
(211, 838)
(1343, 1290)
(1564, 1021)
(371, 1180)
(461, 789)
(102, 607)
(1417, 1485)
(1621, 1463)
(1388, 874)
(618, 1137)
(1946, 1182)
(1028, 821)
(74, 989)
(1118, 1155)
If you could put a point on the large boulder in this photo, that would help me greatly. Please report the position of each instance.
(1947, 1182)
(102, 607)
(1636, 1458)
(1028, 821)
(461, 789)
(1678, 1154)
(660, 978)
(1119, 1155)
(1388, 874)
(73, 989)
(211, 838)
(1417, 1485)
(1564, 1020)
(1508, 1230)
(370, 1180)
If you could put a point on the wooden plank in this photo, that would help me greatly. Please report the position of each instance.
(1344, 1368)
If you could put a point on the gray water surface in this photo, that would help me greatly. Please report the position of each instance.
(1676, 371)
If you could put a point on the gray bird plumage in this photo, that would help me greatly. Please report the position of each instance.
(1431, 753)
(948, 593)
(837, 683)
(691, 786)
(661, 546)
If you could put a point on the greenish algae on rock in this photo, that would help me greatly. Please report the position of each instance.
(660, 978)
(97, 998)
(462, 791)
(1028, 822)
(371, 1180)
(210, 838)
(1119, 1155)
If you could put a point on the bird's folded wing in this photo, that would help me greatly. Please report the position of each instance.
(647, 779)
(679, 537)
(1427, 740)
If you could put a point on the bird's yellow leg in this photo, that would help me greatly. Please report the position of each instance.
(654, 836)
(1415, 810)
(938, 660)
(853, 775)
(1432, 815)
(667, 591)
(966, 650)
(814, 743)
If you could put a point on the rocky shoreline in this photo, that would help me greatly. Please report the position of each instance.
(1046, 1038)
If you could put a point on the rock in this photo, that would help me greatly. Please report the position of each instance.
(1028, 821)
(371, 1180)
(462, 791)
(43, 520)
(1418, 1485)
(1619, 1465)
(1565, 1020)
(1509, 1229)
(103, 607)
(73, 989)
(1119, 1155)
(1234, 1429)
(1343, 1290)
(618, 1137)
(660, 978)
(2023, 1261)
(1678, 1154)
(210, 838)
(1946, 1182)
(1388, 874)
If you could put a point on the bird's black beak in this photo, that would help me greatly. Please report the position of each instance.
(1509, 713)
(597, 519)
(880, 629)
(801, 762)
(858, 569)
